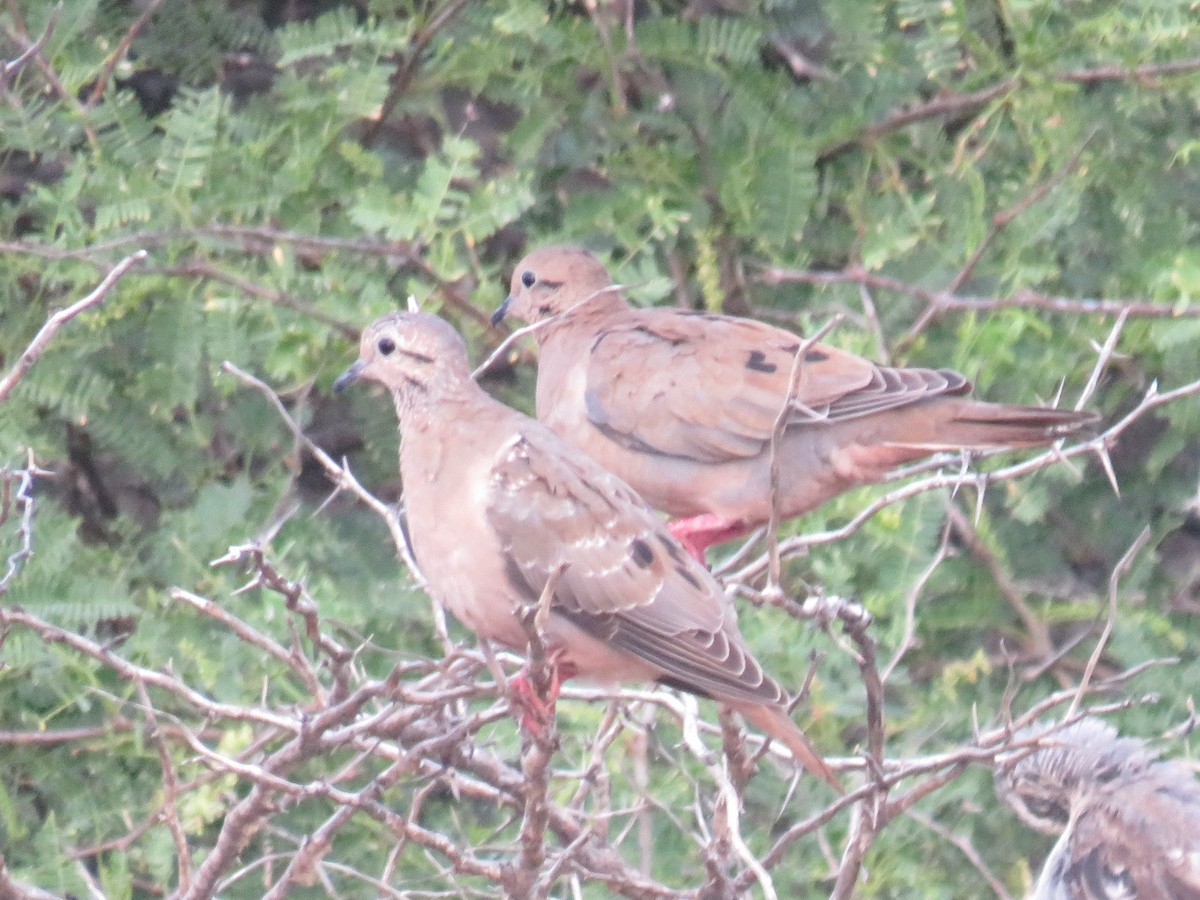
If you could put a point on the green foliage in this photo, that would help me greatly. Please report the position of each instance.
(400, 147)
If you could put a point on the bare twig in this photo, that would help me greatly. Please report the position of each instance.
(56, 321)
(339, 472)
(12, 67)
(11, 889)
(941, 107)
(120, 50)
(298, 601)
(519, 333)
(503, 347)
(58, 736)
(936, 771)
(786, 411)
(947, 105)
(317, 845)
(1143, 74)
(201, 268)
(601, 14)
(33, 52)
(946, 301)
(1114, 581)
(317, 734)
(872, 317)
(294, 661)
(1004, 218)
(253, 239)
(910, 604)
(410, 64)
(134, 834)
(799, 63)
(864, 825)
(131, 672)
(967, 849)
(868, 817)
(170, 813)
(1037, 630)
(1000, 222)
(1102, 360)
(730, 811)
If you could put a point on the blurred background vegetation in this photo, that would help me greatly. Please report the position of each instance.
(297, 167)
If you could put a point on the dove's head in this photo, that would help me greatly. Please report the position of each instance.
(553, 280)
(409, 353)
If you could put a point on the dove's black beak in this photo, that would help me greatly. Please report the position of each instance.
(348, 377)
(498, 315)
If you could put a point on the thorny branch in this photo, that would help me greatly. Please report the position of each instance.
(343, 479)
(426, 739)
(950, 105)
(523, 877)
(1000, 222)
(22, 497)
(980, 481)
(377, 749)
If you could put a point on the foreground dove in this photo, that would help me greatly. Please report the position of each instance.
(1130, 823)
(498, 506)
(682, 405)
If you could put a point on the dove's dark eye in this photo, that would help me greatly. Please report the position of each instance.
(386, 346)
(1046, 810)
(528, 278)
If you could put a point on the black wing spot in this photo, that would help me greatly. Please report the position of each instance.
(816, 356)
(689, 577)
(642, 554)
(672, 549)
(758, 362)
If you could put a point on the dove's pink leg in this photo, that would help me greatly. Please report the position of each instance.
(533, 710)
(698, 533)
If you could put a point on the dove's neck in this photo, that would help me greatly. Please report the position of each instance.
(419, 404)
(588, 314)
(447, 439)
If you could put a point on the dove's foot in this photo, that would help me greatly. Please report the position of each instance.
(698, 533)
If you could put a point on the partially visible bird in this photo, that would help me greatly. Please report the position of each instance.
(682, 405)
(1129, 822)
(499, 507)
